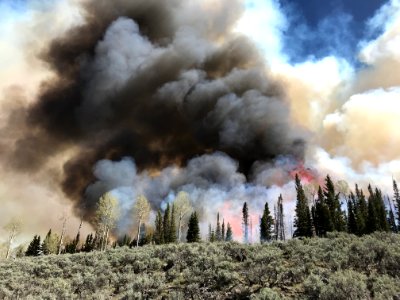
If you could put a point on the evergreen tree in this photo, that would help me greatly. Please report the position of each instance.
(361, 211)
(166, 224)
(72, 247)
(158, 234)
(46, 243)
(302, 221)
(211, 234)
(391, 218)
(172, 236)
(245, 214)
(35, 247)
(218, 233)
(377, 220)
(223, 230)
(351, 218)
(372, 219)
(322, 219)
(266, 225)
(124, 241)
(396, 200)
(332, 200)
(381, 211)
(279, 222)
(193, 233)
(90, 243)
(229, 234)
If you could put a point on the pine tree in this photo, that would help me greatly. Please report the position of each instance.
(372, 223)
(376, 220)
(361, 211)
(193, 233)
(218, 234)
(279, 222)
(229, 234)
(245, 214)
(351, 218)
(211, 234)
(89, 243)
(223, 230)
(381, 211)
(35, 247)
(266, 225)
(72, 247)
(172, 236)
(124, 241)
(166, 224)
(158, 234)
(391, 217)
(332, 200)
(46, 243)
(323, 220)
(303, 216)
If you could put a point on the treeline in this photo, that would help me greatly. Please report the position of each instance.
(319, 210)
(322, 211)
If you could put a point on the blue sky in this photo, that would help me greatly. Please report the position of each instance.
(317, 28)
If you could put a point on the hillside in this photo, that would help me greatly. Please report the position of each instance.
(341, 266)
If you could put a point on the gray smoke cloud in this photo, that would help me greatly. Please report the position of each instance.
(157, 87)
(212, 181)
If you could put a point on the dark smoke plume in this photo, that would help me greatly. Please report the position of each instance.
(160, 81)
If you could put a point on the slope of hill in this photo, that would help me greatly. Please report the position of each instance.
(341, 266)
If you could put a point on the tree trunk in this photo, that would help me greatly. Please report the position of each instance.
(9, 247)
(62, 234)
(105, 239)
(138, 233)
(179, 228)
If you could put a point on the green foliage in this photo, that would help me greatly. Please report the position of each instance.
(35, 247)
(266, 225)
(302, 221)
(193, 234)
(341, 266)
(158, 234)
(229, 233)
(376, 220)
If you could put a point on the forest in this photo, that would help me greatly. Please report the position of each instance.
(339, 250)
(320, 211)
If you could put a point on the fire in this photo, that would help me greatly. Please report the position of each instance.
(306, 174)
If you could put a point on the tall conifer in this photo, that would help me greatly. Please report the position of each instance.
(302, 221)
(266, 225)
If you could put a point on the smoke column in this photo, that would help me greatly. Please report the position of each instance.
(156, 97)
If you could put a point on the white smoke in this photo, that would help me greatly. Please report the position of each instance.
(212, 181)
